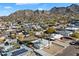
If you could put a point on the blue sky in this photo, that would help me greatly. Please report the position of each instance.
(8, 8)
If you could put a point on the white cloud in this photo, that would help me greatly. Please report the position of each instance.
(8, 7)
(3, 15)
(40, 8)
(27, 3)
(21, 3)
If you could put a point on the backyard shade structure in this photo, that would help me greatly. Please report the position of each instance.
(2, 39)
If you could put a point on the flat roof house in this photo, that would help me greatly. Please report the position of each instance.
(65, 32)
(40, 43)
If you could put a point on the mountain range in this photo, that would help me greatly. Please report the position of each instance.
(68, 12)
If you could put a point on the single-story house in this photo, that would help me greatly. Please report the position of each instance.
(65, 32)
(55, 36)
(40, 43)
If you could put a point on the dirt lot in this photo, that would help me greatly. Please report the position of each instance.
(69, 51)
(53, 49)
(57, 46)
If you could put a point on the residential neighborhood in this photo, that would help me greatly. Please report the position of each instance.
(22, 35)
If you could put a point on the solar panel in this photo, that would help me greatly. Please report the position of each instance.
(15, 53)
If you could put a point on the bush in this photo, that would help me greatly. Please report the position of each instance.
(13, 36)
(50, 30)
(16, 46)
(27, 43)
(75, 35)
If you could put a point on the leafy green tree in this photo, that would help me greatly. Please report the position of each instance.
(50, 30)
(75, 35)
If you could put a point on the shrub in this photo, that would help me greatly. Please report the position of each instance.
(75, 35)
(50, 30)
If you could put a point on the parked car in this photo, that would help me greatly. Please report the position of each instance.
(74, 43)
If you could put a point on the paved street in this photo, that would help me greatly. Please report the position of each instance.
(69, 51)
